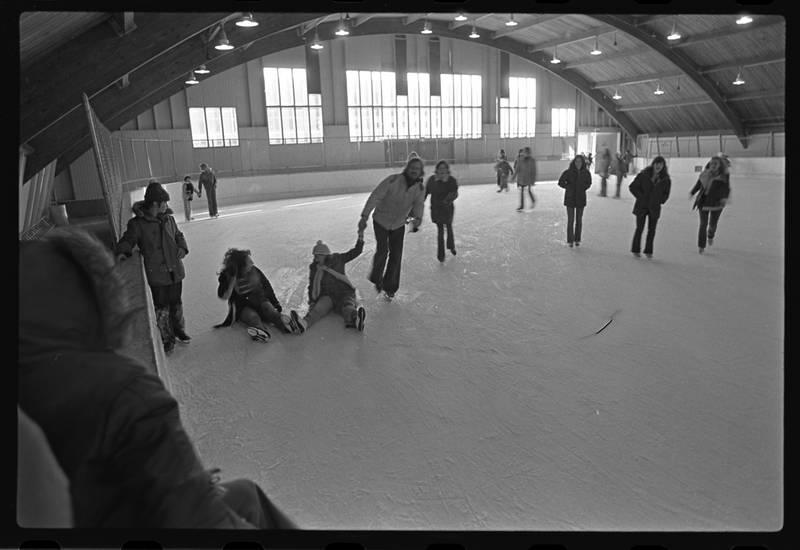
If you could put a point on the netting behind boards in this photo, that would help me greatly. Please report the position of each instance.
(108, 168)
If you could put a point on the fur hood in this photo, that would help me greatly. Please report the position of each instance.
(138, 210)
(86, 306)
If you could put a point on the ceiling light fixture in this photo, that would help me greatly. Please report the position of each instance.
(474, 33)
(659, 91)
(615, 39)
(460, 17)
(674, 35)
(192, 79)
(247, 21)
(739, 81)
(555, 60)
(342, 30)
(201, 70)
(511, 22)
(316, 44)
(744, 20)
(426, 29)
(616, 95)
(596, 50)
(223, 44)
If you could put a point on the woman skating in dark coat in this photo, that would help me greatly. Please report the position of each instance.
(713, 189)
(651, 189)
(443, 189)
(575, 180)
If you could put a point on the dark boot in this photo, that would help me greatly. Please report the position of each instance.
(178, 324)
(165, 328)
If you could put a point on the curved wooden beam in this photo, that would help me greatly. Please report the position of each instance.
(684, 64)
(165, 79)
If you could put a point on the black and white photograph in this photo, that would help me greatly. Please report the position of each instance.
(390, 271)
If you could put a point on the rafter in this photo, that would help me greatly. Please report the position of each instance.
(684, 64)
(757, 94)
(361, 19)
(414, 17)
(665, 104)
(751, 62)
(122, 22)
(758, 24)
(589, 60)
(635, 80)
(590, 33)
(541, 19)
(470, 21)
(644, 20)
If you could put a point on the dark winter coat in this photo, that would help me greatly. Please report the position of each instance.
(160, 242)
(649, 195)
(330, 285)
(503, 167)
(716, 196)
(525, 168)
(261, 292)
(112, 425)
(575, 183)
(188, 190)
(207, 180)
(443, 193)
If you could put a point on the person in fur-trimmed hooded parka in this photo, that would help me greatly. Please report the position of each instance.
(162, 245)
(111, 424)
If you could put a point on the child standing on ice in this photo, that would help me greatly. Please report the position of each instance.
(504, 170)
(330, 289)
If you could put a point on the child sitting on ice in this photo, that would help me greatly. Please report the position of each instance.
(330, 289)
(250, 296)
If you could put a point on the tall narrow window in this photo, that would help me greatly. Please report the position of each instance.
(214, 126)
(518, 111)
(460, 111)
(563, 122)
(293, 115)
(371, 105)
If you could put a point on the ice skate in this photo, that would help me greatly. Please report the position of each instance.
(649, 255)
(299, 324)
(361, 315)
(258, 335)
(182, 337)
(710, 241)
(577, 243)
(637, 254)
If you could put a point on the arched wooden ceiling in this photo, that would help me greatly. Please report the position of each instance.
(129, 62)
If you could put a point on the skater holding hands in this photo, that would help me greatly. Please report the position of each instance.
(330, 289)
(443, 189)
(397, 200)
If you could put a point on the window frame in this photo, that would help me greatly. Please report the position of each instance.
(288, 114)
(224, 139)
(518, 111)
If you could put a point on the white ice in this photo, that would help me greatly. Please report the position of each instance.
(481, 398)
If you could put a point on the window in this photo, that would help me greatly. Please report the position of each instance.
(214, 126)
(376, 113)
(563, 121)
(293, 115)
(518, 110)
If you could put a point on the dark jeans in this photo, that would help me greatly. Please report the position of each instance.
(651, 233)
(211, 195)
(603, 185)
(169, 312)
(346, 306)
(246, 499)
(574, 224)
(266, 312)
(522, 196)
(388, 242)
(440, 227)
(706, 226)
(619, 184)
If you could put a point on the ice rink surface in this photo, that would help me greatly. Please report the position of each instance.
(481, 398)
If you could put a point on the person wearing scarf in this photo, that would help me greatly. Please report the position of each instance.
(713, 190)
(651, 188)
(330, 289)
(575, 180)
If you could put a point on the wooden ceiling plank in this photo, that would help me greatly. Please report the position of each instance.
(585, 35)
(542, 19)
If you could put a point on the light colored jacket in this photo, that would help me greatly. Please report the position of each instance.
(394, 201)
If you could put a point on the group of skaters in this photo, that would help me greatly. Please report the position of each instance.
(395, 204)
(650, 188)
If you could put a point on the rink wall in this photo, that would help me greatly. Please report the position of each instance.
(740, 166)
(244, 189)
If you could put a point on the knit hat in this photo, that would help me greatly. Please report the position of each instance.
(155, 193)
(321, 248)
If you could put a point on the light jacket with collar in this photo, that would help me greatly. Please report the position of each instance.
(160, 242)
(394, 201)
